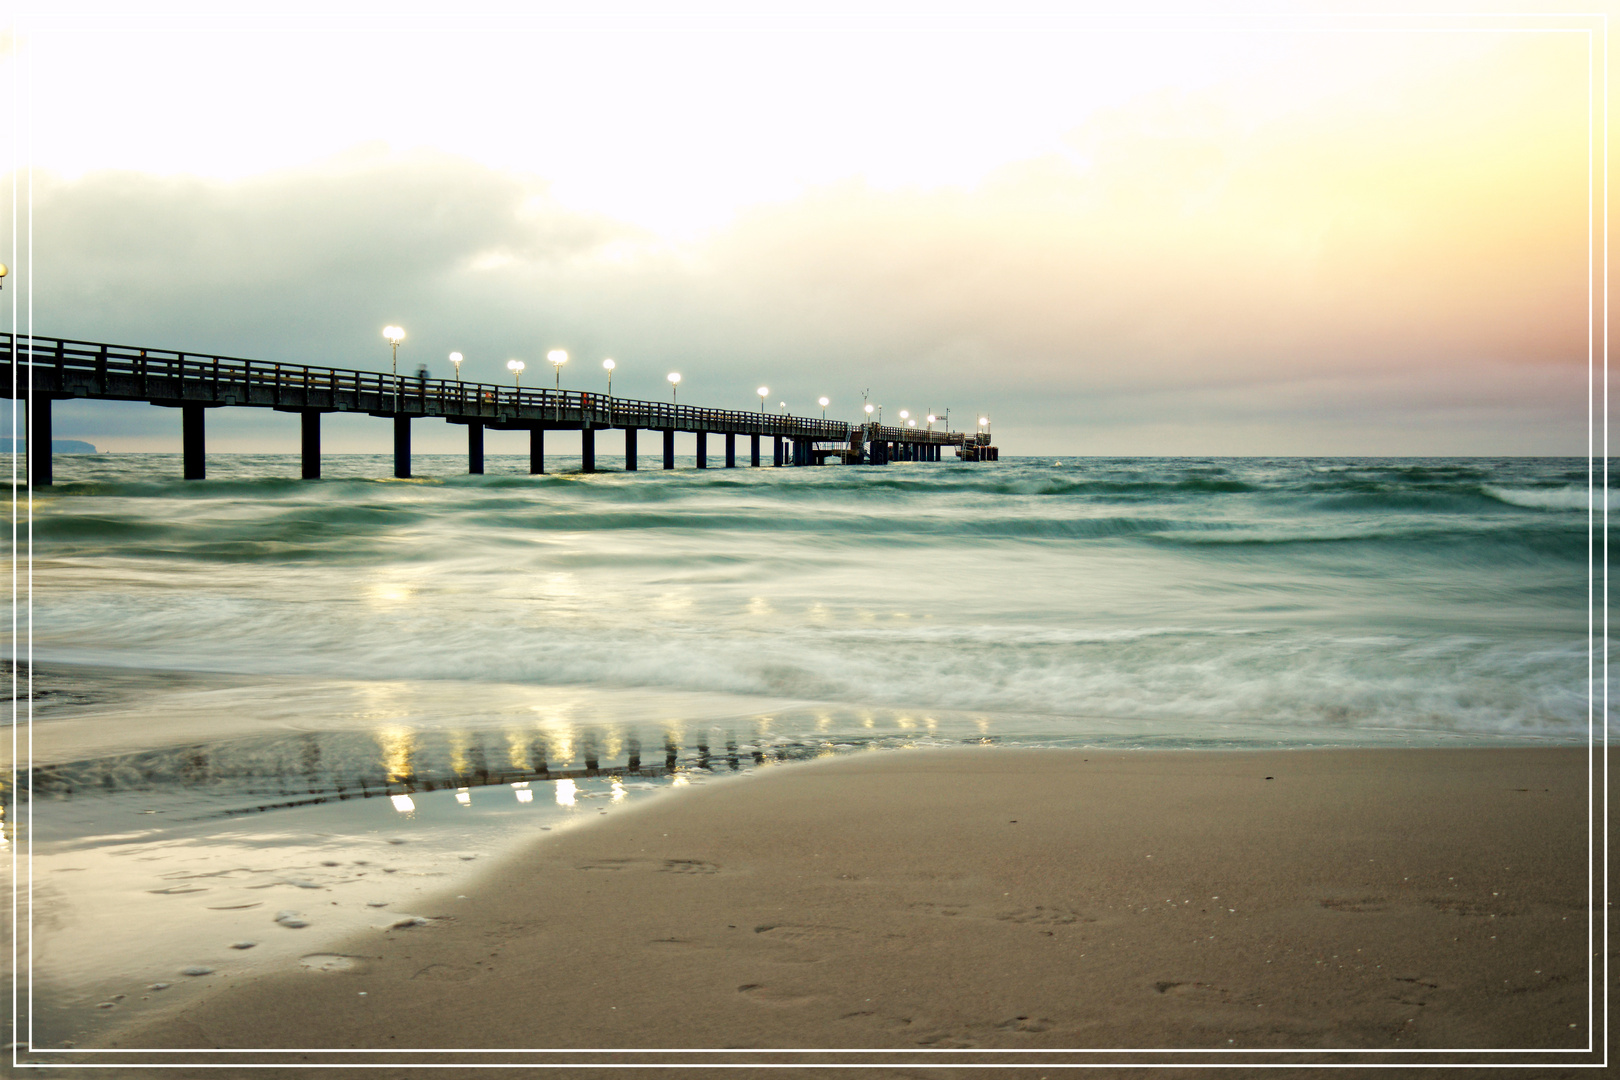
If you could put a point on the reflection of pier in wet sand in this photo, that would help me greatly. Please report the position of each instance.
(257, 774)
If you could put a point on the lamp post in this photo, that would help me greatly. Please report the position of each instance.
(823, 402)
(516, 368)
(931, 419)
(456, 358)
(558, 358)
(395, 335)
(674, 388)
(905, 415)
(783, 406)
(762, 392)
(608, 365)
(868, 408)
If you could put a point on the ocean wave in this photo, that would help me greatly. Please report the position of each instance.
(1280, 591)
(1559, 498)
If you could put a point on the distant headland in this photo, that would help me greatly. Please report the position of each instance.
(58, 446)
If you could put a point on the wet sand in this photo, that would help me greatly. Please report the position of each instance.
(945, 906)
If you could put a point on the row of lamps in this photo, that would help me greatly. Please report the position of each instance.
(559, 357)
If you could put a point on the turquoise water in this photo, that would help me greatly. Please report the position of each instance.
(1341, 601)
(257, 693)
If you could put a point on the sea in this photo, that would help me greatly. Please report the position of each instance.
(258, 715)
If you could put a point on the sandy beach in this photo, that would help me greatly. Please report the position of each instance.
(954, 905)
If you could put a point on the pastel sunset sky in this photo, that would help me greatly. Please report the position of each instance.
(1292, 232)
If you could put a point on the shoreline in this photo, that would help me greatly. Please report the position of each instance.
(954, 903)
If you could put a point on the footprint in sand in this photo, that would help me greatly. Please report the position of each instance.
(1359, 903)
(673, 944)
(945, 1040)
(688, 866)
(444, 973)
(1039, 915)
(326, 962)
(800, 932)
(665, 866)
(766, 995)
(1026, 1023)
(1042, 916)
(1192, 989)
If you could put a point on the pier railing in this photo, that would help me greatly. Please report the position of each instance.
(64, 367)
(45, 369)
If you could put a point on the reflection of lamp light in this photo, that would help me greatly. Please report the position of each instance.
(402, 803)
(463, 796)
(524, 795)
(567, 793)
(558, 358)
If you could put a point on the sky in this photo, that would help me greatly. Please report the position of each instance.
(1295, 232)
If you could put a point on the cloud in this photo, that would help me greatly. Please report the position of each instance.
(1413, 264)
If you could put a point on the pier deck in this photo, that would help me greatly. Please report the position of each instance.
(44, 369)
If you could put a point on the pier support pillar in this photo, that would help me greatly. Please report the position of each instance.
(39, 441)
(703, 450)
(587, 449)
(731, 450)
(629, 449)
(402, 447)
(753, 453)
(669, 448)
(475, 448)
(191, 438)
(309, 423)
(537, 450)
(776, 455)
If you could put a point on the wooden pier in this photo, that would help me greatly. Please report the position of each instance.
(44, 370)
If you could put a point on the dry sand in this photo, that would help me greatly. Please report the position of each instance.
(949, 903)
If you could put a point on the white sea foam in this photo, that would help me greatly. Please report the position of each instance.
(1560, 498)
